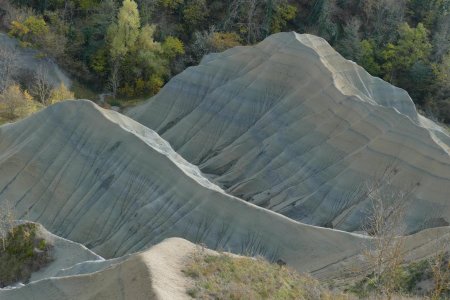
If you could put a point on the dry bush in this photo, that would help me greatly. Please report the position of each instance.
(60, 93)
(6, 220)
(440, 270)
(386, 224)
(24, 253)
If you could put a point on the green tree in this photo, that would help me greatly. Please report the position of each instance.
(171, 4)
(195, 13)
(368, 57)
(172, 47)
(122, 36)
(284, 12)
(16, 103)
(60, 93)
(413, 46)
(31, 32)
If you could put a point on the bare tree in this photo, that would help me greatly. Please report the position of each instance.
(249, 16)
(385, 256)
(441, 37)
(41, 87)
(386, 223)
(383, 16)
(114, 78)
(8, 66)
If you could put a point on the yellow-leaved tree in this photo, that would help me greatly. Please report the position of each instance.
(122, 36)
(60, 93)
(16, 103)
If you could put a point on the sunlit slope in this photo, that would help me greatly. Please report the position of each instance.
(291, 126)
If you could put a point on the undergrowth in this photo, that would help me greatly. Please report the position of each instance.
(21, 253)
(410, 279)
(226, 277)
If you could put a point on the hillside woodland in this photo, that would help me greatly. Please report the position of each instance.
(131, 48)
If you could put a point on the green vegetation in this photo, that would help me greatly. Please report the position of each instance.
(16, 103)
(227, 277)
(408, 280)
(22, 253)
(131, 48)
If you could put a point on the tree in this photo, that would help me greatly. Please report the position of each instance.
(380, 17)
(32, 32)
(245, 16)
(195, 13)
(413, 46)
(172, 47)
(114, 77)
(41, 87)
(326, 26)
(146, 10)
(6, 221)
(368, 57)
(441, 38)
(8, 66)
(60, 93)
(211, 41)
(171, 4)
(284, 12)
(122, 37)
(15, 102)
(385, 223)
(124, 33)
(350, 45)
(440, 269)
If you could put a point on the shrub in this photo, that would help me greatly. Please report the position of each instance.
(23, 254)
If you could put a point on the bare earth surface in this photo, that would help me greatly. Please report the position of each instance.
(291, 126)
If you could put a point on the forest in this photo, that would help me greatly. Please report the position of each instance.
(132, 48)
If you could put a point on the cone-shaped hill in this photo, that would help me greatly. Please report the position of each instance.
(292, 126)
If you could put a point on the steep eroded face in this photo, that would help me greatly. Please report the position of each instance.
(291, 126)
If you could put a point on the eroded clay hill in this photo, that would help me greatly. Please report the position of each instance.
(99, 178)
(292, 126)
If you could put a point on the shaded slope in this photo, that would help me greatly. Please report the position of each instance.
(99, 178)
(291, 126)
